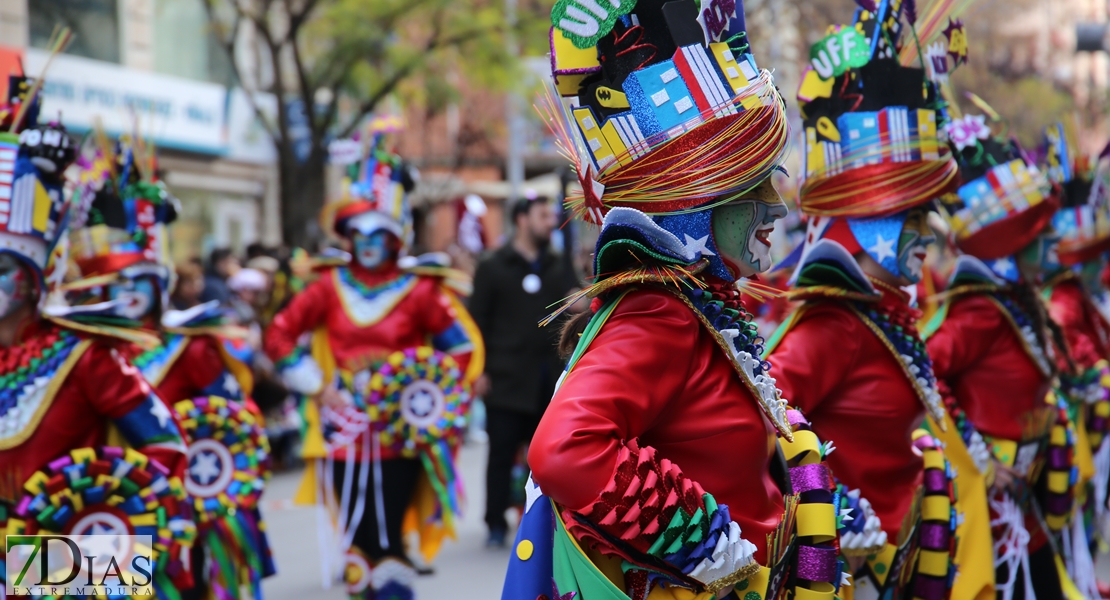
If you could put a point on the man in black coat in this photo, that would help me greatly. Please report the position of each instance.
(514, 288)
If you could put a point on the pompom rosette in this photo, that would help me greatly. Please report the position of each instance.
(227, 431)
(716, 158)
(110, 490)
(417, 399)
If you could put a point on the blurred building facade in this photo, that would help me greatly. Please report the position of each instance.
(151, 65)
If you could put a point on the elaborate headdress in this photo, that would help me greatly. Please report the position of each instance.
(663, 111)
(1083, 221)
(872, 120)
(33, 159)
(376, 188)
(1004, 201)
(120, 217)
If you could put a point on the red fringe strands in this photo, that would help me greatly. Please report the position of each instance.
(717, 158)
(882, 188)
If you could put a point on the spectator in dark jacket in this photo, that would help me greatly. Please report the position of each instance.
(514, 288)
(221, 265)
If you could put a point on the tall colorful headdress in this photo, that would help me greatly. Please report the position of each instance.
(664, 114)
(376, 187)
(1083, 221)
(33, 160)
(120, 217)
(1003, 201)
(872, 117)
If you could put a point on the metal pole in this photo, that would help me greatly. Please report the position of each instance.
(514, 164)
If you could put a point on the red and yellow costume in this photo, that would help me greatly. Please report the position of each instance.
(70, 392)
(383, 463)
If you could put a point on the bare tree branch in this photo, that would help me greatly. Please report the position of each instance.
(228, 46)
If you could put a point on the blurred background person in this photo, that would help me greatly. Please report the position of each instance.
(222, 264)
(514, 288)
(190, 285)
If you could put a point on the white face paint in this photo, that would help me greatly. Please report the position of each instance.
(136, 298)
(742, 231)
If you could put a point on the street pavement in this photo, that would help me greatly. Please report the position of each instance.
(464, 570)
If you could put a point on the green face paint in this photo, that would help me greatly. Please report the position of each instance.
(741, 230)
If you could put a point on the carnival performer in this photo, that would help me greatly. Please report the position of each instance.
(654, 469)
(851, 357)
(1083, 225)
(120, 253)
(74, 410)
(386, 465)
(993, 352)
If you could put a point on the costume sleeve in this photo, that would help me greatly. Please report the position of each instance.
(585, 454)
(304, 313)
(1066, 308)
(116, 389)
(805, 368)
(442, 321)
(198, 371)
(632, 370)
(967, 333)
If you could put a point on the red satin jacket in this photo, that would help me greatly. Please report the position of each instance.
(979, 355)
(854, 392)
(1087, 332)
(102, 387)
(655, 373)
(412, 320)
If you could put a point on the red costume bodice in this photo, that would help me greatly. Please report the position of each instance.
(850, 386)
(101, 387)
(404, 320)
(978, 354)
(409, 311)
(655, 373)
(1086, 331)
(198, 366)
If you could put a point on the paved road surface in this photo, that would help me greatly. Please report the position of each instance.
(465, 569)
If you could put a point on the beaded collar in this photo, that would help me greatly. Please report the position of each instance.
(1023, 326)
(720, 305)
(719, 309)
(155, 362)
(370, 292)
(896, 325)
(26, 371)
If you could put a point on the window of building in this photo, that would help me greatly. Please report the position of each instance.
(95, 23)
(184, 44)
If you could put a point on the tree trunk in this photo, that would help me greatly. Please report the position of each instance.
(302, 197)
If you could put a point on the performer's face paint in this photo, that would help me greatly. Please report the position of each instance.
(1040, 256)
(137, 297)
(15, 285)
(742, 229)
(913, 243)
(372, 251)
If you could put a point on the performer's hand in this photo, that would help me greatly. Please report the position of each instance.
(482, 386)
(330, 397)
(1005, 478)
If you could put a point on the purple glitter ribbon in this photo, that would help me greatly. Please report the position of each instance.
(930, 588)
(934, 536)
(1058, 504)
(809, 477)
(935, 481)
(795, 417)
(1058, 458)
(817, 564)
(924, 442)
